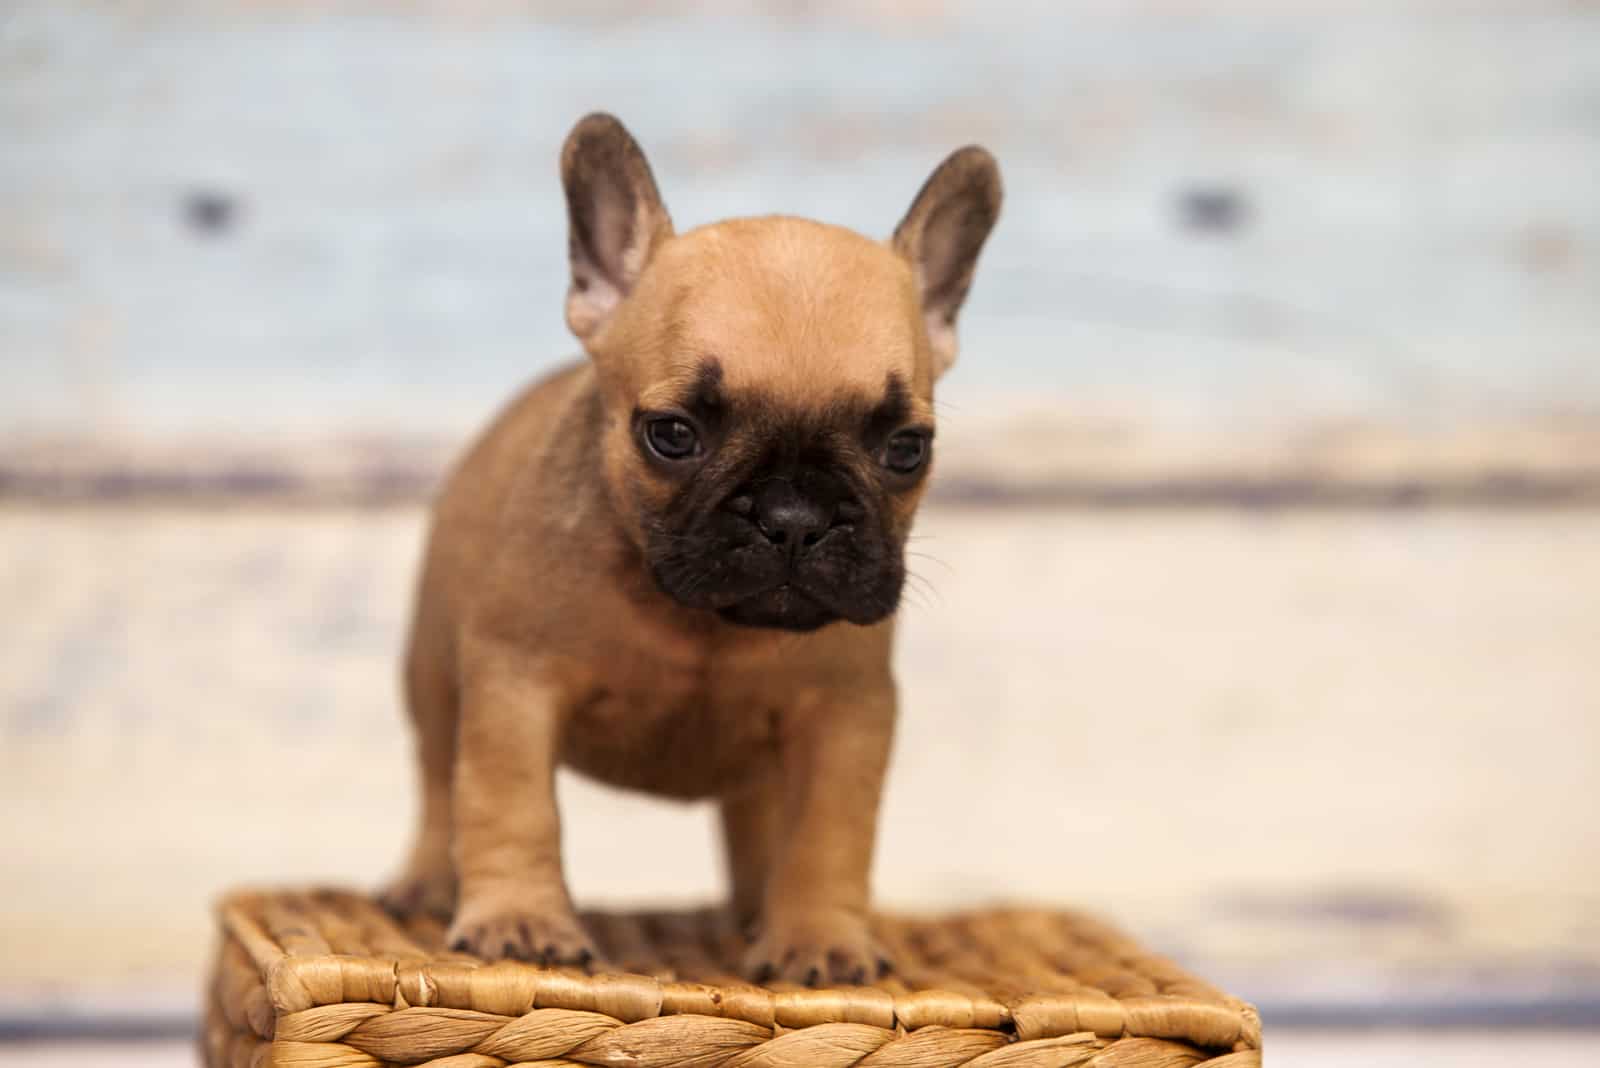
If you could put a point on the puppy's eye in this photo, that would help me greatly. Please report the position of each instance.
(672, 438)
(906, 451)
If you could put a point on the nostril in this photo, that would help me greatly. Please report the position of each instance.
(789, 522)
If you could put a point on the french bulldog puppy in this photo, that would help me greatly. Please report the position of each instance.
(675, 565)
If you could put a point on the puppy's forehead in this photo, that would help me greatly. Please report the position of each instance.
(796, 312)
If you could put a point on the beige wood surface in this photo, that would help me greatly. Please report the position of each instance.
(1324, 756)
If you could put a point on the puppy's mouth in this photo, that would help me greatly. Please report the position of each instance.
(764, 591)
(784, 607)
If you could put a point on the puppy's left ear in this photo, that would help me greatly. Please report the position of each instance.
(942, 235)
(615, 218)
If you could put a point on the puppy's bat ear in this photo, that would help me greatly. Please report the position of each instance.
(942, 235)
(615, 218)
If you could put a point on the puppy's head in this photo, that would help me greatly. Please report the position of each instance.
(767, 383)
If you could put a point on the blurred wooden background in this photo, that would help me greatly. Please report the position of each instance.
(263, 262)
(1343, 228)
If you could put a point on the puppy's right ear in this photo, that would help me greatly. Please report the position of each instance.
(615, 218)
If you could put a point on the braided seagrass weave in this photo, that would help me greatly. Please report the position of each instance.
(327, 979)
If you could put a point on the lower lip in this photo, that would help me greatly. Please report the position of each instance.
(784, 597)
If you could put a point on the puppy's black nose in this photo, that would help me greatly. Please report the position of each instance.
(789, 519)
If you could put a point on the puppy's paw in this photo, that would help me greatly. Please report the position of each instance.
(421, 894)
(816, 948)
(550, 937)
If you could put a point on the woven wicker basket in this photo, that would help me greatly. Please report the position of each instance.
(327, 979)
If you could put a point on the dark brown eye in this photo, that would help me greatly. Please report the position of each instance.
(671, 438)
(906, 451)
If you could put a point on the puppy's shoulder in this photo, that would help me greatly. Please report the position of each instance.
(522, 436)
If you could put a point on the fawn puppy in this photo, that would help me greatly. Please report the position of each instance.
(674, 565)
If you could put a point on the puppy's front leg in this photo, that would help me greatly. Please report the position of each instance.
(814, 919)
(513, 900)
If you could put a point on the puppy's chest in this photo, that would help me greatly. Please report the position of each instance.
(686, 741)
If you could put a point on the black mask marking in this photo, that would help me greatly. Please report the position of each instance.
(788, 521)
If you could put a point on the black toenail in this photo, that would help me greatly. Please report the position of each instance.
(813, 977)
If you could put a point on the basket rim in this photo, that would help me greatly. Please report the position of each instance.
(303, 945)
